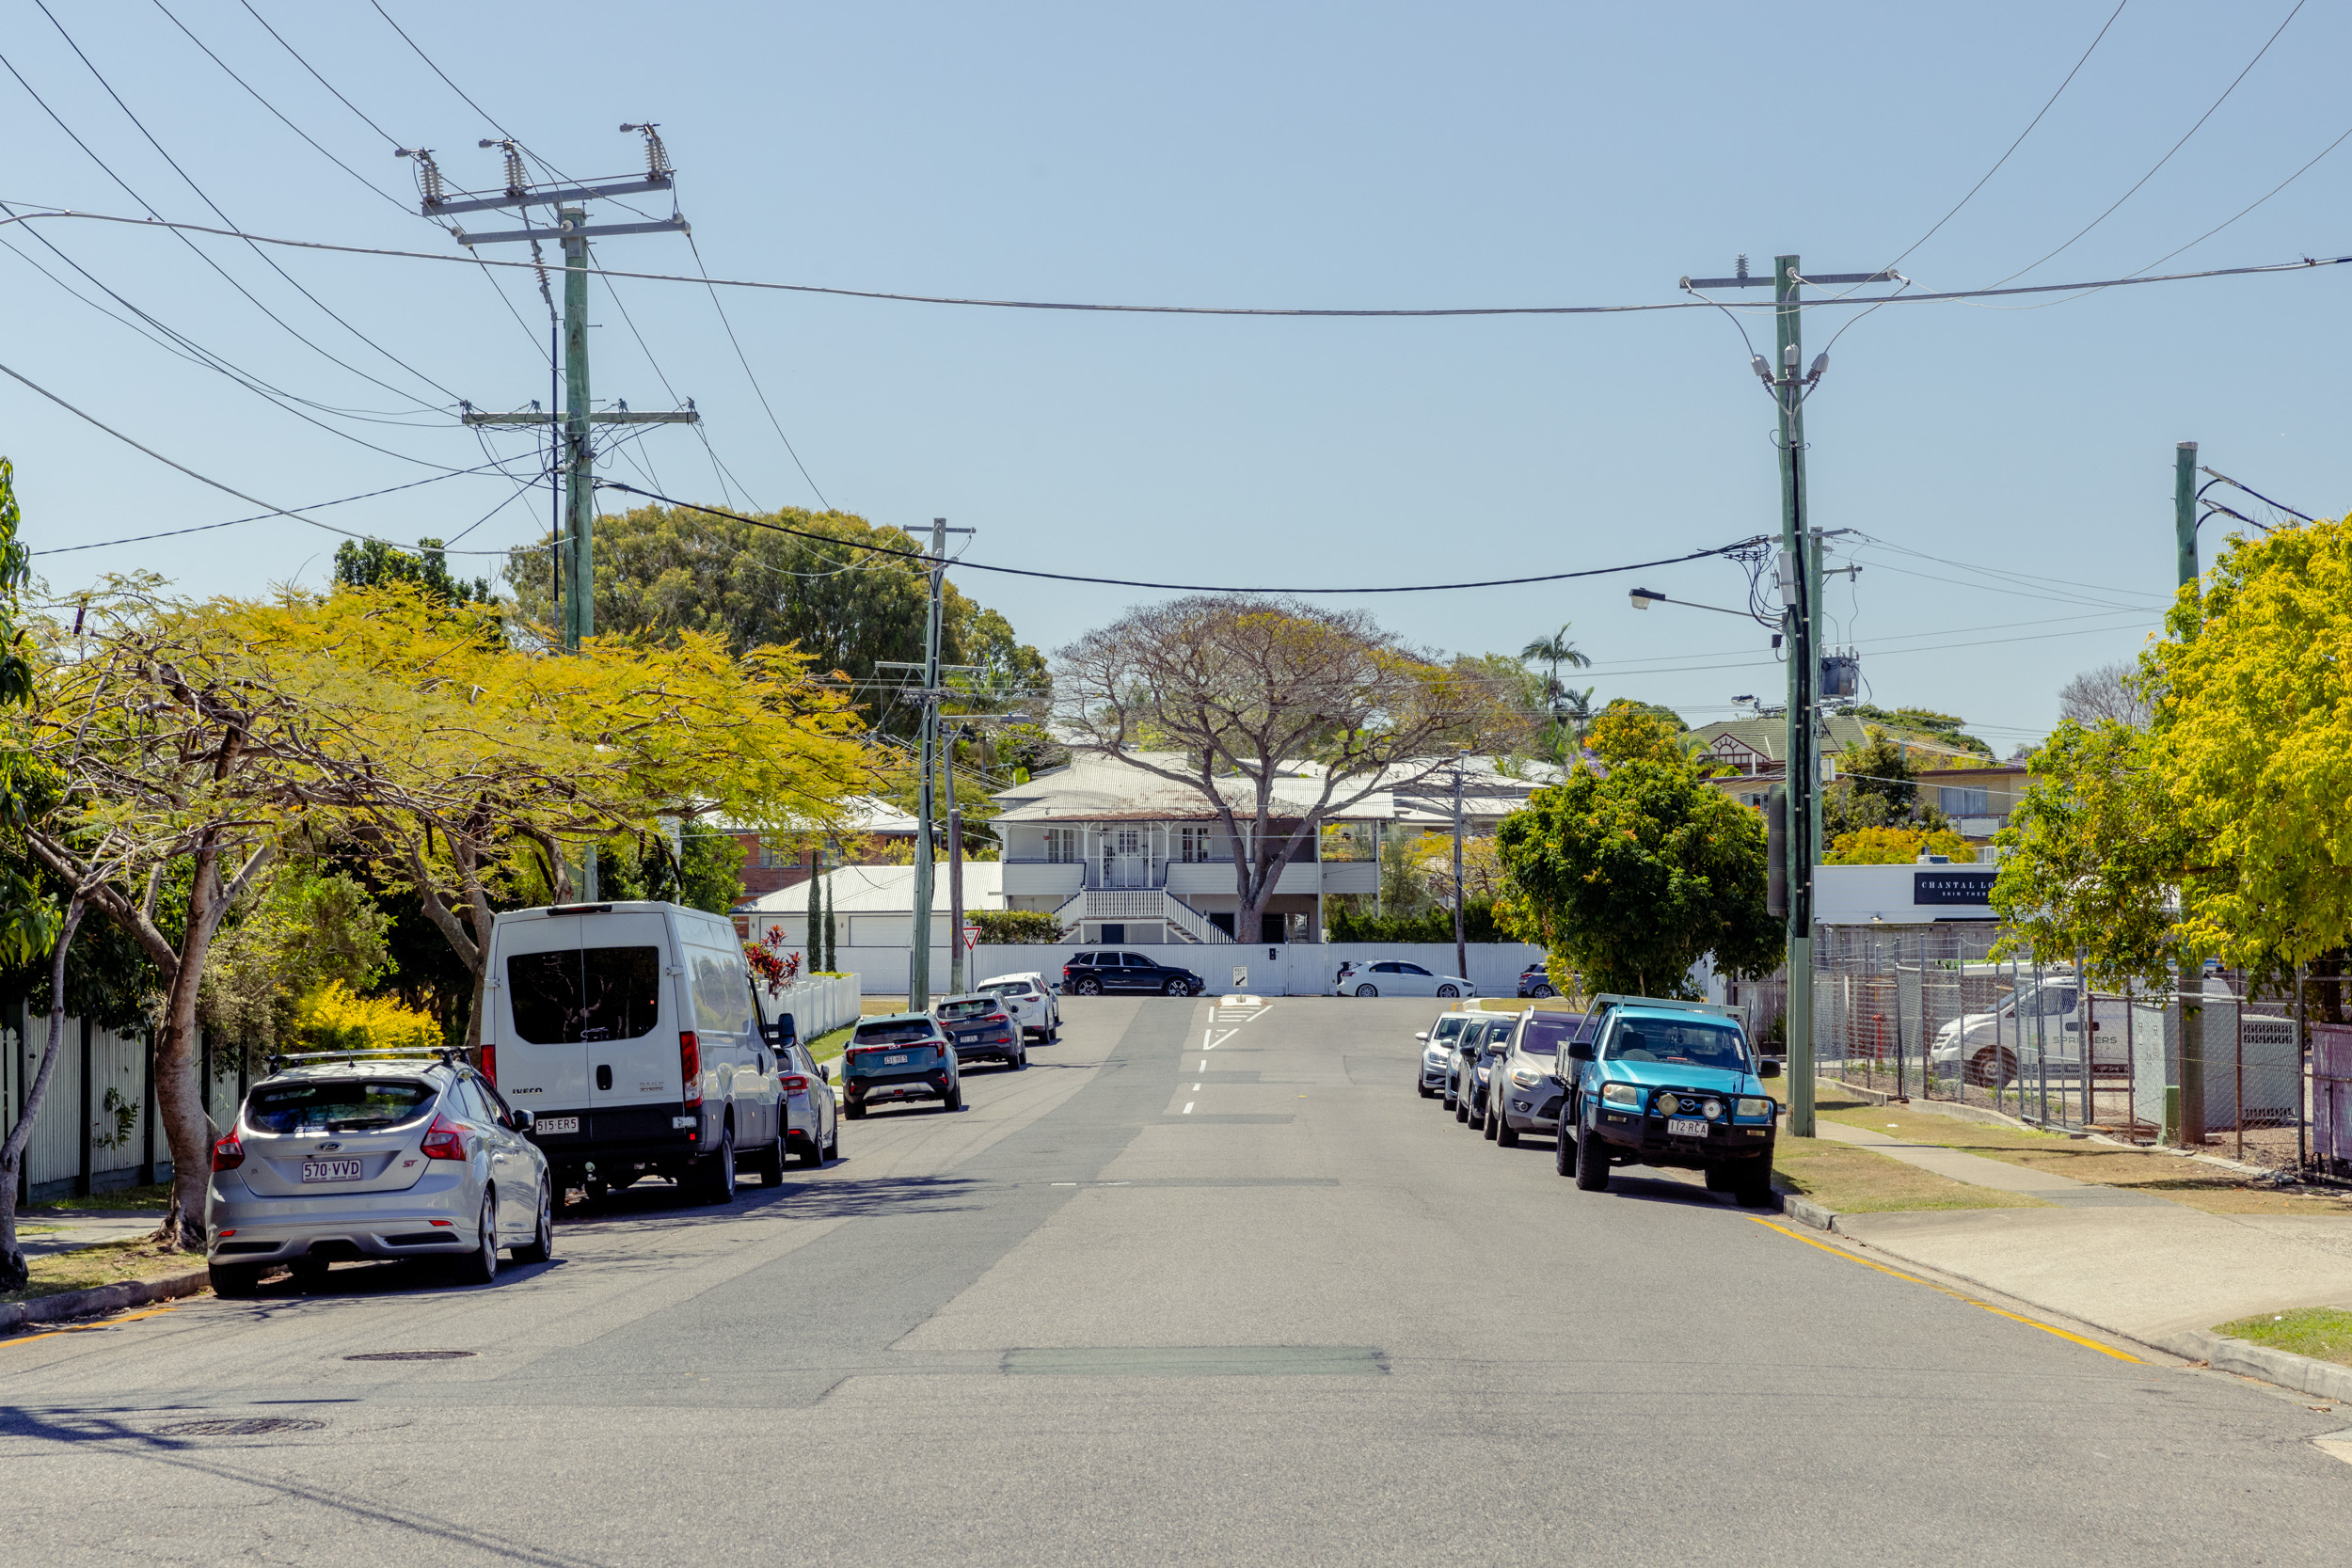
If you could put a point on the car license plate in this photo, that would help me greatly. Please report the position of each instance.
(892, 1061)
(1685, 1127)
(556, 1124)
(330, 1171)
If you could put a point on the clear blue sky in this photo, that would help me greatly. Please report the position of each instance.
(1358, 155)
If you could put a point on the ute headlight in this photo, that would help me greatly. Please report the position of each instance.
(1668, 1105)
(1713, 1109)
(1756, 1108)
(1627, 1095)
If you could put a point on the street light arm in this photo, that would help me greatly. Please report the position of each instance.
(1642, 598)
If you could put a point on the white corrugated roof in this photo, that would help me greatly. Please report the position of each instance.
(1097, 788)
(886, 890)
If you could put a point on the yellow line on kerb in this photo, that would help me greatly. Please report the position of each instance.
(85, 1329)
(1841, 1252)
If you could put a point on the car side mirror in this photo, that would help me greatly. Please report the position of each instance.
(524, 1121)
(1423, 1036)
(824, 1071)
(1580, 1050)
(1767, 1069)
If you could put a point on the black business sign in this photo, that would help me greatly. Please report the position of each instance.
(1951, 887)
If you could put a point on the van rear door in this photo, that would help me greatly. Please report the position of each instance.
(542, 1066)
(630, 1028)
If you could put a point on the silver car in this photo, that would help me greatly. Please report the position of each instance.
(1437, 1056)
(1526, 1090)
(1479, 1047)
(812, 1116)
(350, 1155)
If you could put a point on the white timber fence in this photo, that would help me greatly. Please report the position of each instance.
(96, 1131)
(821, 1004)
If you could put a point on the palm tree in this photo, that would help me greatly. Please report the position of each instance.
(1556, 651)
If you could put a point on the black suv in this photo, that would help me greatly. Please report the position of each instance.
(1092, 974)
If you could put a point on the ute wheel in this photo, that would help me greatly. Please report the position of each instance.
(481, 1266)
(1722, 1178)
(542, 1243)
(1367, 990)
(1988, 1071)
(1592, 1161)
(1088, 988)
(235, 1281)
(1448, 991)
(718, 1172)
(1563, 1146)
(1754, 1189)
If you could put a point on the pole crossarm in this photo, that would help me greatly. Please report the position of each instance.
(568, 230)
(1884, 276)
(534, 417)
(528, 197)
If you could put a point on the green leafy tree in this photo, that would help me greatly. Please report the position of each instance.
(1876, 787)
(1632, 877)
(372, 563)
(1647, 710)
(1922, 722)
(662, 570)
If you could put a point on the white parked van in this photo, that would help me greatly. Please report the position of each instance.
(634, 1036)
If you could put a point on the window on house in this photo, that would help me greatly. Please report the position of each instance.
(774, 857)
(1193, 845)
(1061, 844)
(1957, 801)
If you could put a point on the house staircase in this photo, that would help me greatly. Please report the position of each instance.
(1184, 923)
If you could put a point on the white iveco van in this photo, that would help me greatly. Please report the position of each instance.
(633, 1035)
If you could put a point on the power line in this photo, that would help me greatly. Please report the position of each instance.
(207, 479)
(1184, 587)
(2304, 263)
(745, 361)
(389, 139)
(2015, 145)
(263, 516)
(224, 217)
(2175, 148)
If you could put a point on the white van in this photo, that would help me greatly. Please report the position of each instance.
(634, 1036)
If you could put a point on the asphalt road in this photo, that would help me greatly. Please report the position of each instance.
(1310, 1320)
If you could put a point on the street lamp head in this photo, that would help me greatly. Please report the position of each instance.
(1641, 597)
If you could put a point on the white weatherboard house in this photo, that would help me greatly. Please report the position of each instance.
(1122, 855)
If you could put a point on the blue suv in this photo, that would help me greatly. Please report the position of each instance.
(1664, 1083)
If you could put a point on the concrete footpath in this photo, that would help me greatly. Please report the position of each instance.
(2127, 1261)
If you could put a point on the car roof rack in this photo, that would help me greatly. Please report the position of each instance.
(448, 1055)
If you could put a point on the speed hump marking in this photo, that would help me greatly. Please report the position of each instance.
(1241, 1002)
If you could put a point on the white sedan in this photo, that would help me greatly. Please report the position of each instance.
(1031, 1000)
(1396, 978)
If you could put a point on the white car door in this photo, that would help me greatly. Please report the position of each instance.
(1410, 980)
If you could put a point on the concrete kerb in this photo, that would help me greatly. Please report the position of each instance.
(101, 1298)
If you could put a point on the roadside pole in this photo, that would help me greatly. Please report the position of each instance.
(919, 939)
(956, 986)
(1461, 949)
(2185, 1095)
(1789, 383)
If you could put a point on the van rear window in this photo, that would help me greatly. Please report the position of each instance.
(585, 993)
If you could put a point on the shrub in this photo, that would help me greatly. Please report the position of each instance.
(332, 1019)
(1017, 928)
(1478, 925)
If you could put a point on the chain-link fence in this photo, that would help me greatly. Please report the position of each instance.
(1925, 1012)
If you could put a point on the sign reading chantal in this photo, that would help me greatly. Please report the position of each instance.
(1951, 887)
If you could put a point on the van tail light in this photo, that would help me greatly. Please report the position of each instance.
(228, 1154)
(793, 1083)
(690, 1066)
(490, 1062)
(444, 1140)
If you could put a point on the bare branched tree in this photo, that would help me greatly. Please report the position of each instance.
(2110, 691)
(1245, 689)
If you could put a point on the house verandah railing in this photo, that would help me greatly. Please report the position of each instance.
(1924, 1012)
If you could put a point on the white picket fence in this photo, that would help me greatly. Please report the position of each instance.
(821, 1004)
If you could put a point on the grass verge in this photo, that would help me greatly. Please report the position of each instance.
(1854, 1180)
(112, 1263)
(156, 1196)
(2322, 1333)
(2207, 1187)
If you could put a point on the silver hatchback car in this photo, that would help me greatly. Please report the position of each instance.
(357, 1155)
